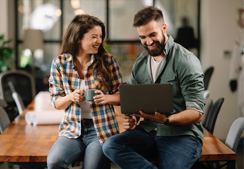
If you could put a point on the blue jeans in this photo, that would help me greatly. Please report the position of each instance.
(65, 151)
(133, 149)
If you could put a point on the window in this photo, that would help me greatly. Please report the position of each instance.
(53, 16)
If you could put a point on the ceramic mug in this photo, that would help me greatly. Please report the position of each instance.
(89, 94)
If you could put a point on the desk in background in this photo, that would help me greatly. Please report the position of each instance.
(27, 143)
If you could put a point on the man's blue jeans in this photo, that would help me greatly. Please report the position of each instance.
(132, 149)
(66, 151)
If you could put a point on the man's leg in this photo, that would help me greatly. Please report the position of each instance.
(178, 151)
(130, 149)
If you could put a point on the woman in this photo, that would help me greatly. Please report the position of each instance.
(84, 64)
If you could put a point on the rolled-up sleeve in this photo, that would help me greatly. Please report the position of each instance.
(116, 77)
(55, 83)
(194, 106)
(191, 82)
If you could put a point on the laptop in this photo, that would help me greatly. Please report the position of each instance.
(146, 97)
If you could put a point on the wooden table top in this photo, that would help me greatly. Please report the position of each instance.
(21, 142)
(215, 150)
(27, 143)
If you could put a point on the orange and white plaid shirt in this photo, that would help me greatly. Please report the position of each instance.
(64, 79)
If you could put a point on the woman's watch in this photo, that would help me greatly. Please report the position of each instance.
(167, 121)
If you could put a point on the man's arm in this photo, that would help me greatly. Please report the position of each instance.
(186, 117)
(183, 118)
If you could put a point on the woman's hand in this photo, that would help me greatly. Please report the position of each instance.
(64, 102)
(76, 95)
(100, 98)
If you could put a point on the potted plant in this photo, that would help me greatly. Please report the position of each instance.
(6, 53)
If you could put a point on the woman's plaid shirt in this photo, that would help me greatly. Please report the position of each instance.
(64, 79)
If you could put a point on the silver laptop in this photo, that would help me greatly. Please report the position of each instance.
(146, 97)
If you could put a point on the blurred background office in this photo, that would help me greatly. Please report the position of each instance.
(213, 24)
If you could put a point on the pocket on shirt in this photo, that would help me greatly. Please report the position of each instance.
(171, 78)
(143, 81)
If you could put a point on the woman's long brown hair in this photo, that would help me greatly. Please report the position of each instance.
(80, 25)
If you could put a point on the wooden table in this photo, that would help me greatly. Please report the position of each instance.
(27, 143)
(215, 150)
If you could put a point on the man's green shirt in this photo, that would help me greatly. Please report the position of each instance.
(183, 69)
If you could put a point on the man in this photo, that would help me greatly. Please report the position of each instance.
(176, 140)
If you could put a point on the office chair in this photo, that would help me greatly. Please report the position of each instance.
(4, 120)
(11, 111)
(23, 83)
(3, 103)
(211, 118)
(207, 76)
(207, 108)
(18, 100)
(234, 135)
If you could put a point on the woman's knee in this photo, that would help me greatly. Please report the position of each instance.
(55, 161)
(52, 162)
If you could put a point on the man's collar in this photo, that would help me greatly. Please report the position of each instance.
(168, 45)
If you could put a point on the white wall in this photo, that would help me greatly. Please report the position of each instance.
(3, 18)
(218, 32)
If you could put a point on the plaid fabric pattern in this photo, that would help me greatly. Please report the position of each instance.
(64, 79)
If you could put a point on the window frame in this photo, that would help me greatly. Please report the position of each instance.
(108, 40)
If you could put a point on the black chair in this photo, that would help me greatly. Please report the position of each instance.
(207, 108)
(12, 111)
(23, 83)
(4, 120)
(212, 115)
(207, 76)
(18, 100)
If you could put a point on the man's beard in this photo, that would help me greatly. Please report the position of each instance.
(160, 47)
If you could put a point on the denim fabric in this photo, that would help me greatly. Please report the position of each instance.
(66, 151)
(133, 148)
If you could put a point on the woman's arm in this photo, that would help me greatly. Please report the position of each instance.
(101, 98)
(64, 102)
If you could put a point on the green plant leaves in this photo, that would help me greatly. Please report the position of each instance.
(6, 53)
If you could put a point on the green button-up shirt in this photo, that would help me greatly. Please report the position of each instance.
(183, 69)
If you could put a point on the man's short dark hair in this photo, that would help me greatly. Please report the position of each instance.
(147, 14)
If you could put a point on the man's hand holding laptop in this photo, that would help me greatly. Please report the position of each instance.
(158, 117)
(130, 121)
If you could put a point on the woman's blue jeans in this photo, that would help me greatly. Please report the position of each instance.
(65, 151)
(132, 149)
